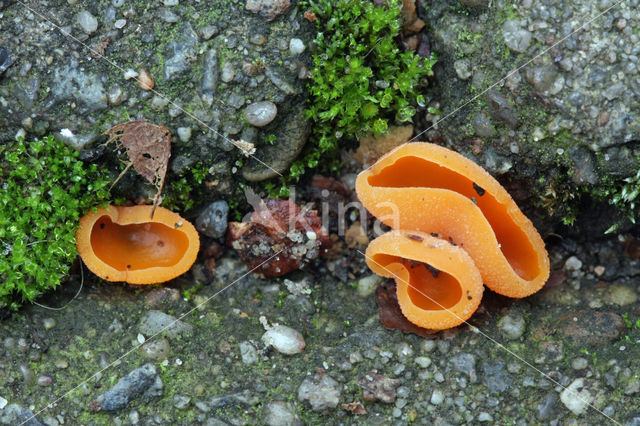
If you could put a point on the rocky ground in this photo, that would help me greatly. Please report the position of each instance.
(309, 348)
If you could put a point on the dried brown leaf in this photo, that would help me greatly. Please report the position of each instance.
(148, 148)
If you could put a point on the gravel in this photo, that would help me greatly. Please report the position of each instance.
(143, 382)
(321, 391)
(284, 339)
(577, 397)
(512, 326)
(212, 222)
(155, 322)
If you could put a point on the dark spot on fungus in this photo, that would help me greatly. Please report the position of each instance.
(478, 189)
(417, 238)
(160, 243)
(434, 234)
(469, 297)
(435, 272)
(102, 226)
(473, 200)
(451, 241)
(128, 266)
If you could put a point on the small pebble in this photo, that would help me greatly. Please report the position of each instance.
(87, 21)
(260, 114)
(184, 133)
(423, 361)
(44, 380)
(48, 323)
(437, 397)
(579, 363)
(284, 339)
(573, 264)
(61, 364)
(120, 23)
(296, 46)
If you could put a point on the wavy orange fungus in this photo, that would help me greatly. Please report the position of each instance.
(123, 244)
(422, 187)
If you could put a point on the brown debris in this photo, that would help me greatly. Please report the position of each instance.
(310, 16)
(376, 387)
(97, 50)
(391, 315)
(556, 278)
(144, 80)
(148, 148)
(373, 147)
(281, 228)
(412, 24)
(355, 235)
(355, 408)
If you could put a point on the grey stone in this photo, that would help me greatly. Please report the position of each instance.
(545, 79)
(512, 325)
(614, 91)
(501, 109)
(260, 114)
(280, 413)
(547, 408)
(79, 142)
(14, 414)
(483, 126)
(179, 54)
(466, 364)
(212, 222)
(463, 68)
(290, 139)
(209, 80)
(87, 21)
(228, 72)
(143, 382)
(66, 81)
(516, 37)
(321, 390)
(248, 353)
(281, 82)
(155, 322)
(5, 60)
(156, 349)
(495, 376)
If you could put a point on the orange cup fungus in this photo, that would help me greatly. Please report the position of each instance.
(124, 244)
(455, 228)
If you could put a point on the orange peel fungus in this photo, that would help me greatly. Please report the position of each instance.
(453, 206)
(123, 244)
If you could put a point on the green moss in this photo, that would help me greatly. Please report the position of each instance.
(45, 190)
(360, 79)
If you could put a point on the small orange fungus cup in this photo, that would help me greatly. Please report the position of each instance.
(124, 244)
(432, 192)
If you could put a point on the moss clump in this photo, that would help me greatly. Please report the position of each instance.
(624, 196)
(360, 78)
(45, 190)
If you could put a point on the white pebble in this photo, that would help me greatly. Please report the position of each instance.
(573, 264)
(284, 339)
(576, 397)
(184, 133)
(87, 21)
(437, 397)
(129, 74)
(120, 23)
(296, 46)
(423, 361)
